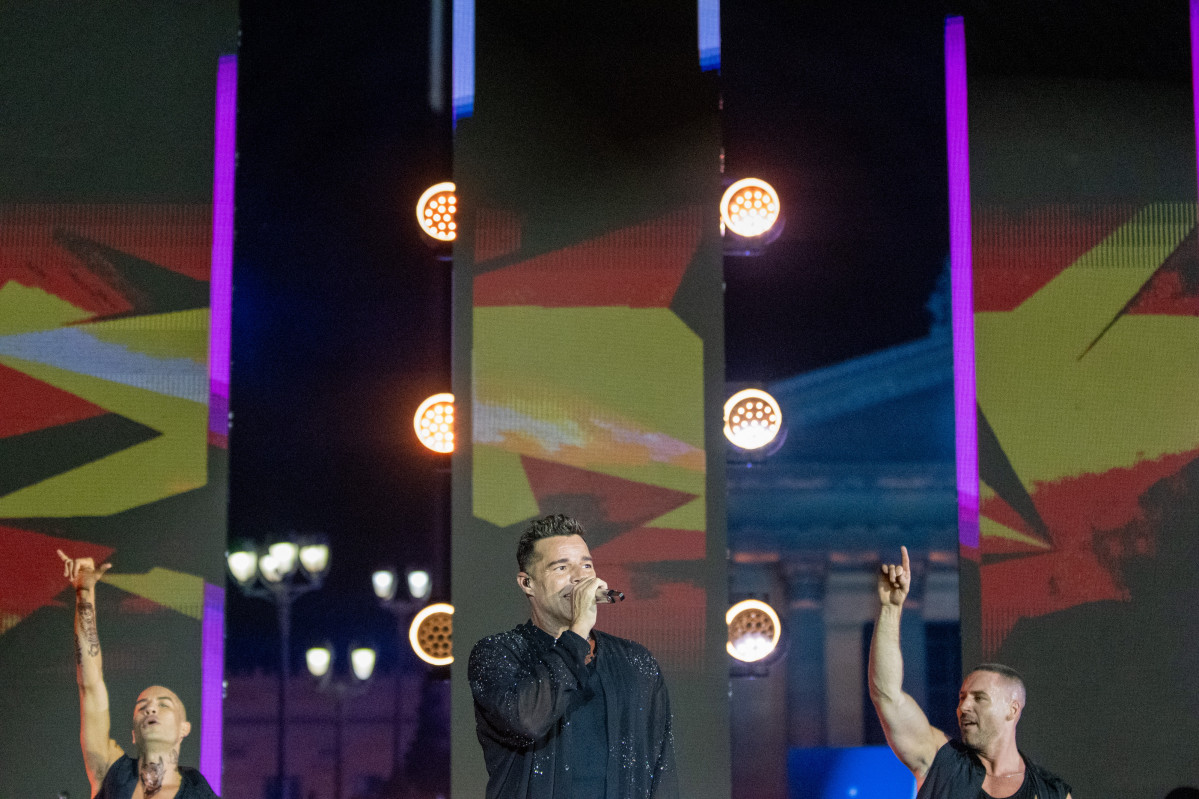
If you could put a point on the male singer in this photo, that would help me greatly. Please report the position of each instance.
(985, 761)
(564, 711)
(159, 719)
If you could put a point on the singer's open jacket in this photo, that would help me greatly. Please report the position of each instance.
(526, 684)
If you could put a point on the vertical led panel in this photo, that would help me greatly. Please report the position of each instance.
(115, 252)
(1086, 342)
(588, 330)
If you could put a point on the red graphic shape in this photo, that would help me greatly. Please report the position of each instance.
(619, 505)
(27, 404)
(1015, 255)
(498, 233)
(640, 267)
(1085, 515)
(1174, 288)
(31, 572)
(650, 544)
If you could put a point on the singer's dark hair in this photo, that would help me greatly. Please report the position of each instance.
(548, 527)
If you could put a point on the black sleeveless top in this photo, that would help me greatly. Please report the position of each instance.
(957, 773)
(121, 781)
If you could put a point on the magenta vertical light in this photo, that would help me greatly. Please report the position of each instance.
(212, 664)
(212, 632)
(961, 281)
(1195, 65)
(222, 249)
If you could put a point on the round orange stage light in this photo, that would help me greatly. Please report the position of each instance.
(435, 211)
(434, 423)
(432, 634)
(750, 207)
(752, 419)
(754, 630)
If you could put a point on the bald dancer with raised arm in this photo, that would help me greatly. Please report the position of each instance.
(159, 718)
(984, 763)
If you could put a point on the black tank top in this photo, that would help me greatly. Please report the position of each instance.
(957, 773)
(121, 781)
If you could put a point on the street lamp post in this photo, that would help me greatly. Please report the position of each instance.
(285, 569)
(319, 660)
(385, 583)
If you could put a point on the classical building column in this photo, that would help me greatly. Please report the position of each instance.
(805, 651)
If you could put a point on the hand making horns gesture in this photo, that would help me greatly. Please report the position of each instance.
(82, 572)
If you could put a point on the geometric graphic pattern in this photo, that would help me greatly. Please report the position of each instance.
(103, 357)
(1088, 354)
(588, 400)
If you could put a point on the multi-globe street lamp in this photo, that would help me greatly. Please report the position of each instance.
(320, 662)
(385, 583)
(281, 571)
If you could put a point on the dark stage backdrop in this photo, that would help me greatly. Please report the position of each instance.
(588, 359)
(1086, 291)
(106, 449)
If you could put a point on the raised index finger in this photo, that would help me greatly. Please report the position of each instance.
(906, 563)
(63, 556)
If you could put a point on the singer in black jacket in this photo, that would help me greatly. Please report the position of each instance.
(564, 711)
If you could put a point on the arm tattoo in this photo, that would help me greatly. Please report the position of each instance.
(87, 622)
(78, 652)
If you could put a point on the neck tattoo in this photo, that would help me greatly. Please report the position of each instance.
(154, 773)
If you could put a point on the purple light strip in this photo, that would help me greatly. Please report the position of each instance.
(221, 286)
(463, 59)
(1195, 65)
(212, 635)
(961, 275)
(212, 641)
(709, 34)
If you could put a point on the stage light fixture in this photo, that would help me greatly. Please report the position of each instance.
(434, 423)
(750, 208)
(435, 211)
(431, 634)
(754, 630)
(752, 419)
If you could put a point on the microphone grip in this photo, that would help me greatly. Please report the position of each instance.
(610, 596)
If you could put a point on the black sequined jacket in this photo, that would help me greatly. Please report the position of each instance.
(525, 686)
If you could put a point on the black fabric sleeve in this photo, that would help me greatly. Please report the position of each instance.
(523, 694)
(665, 776)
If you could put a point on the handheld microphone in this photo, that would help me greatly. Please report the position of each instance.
(609, 595)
